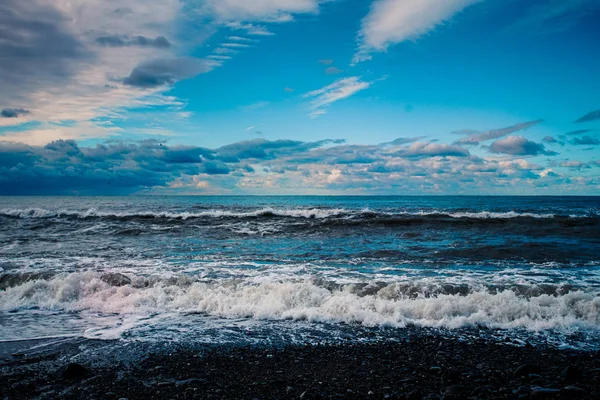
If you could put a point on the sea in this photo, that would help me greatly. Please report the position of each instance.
(276, 270)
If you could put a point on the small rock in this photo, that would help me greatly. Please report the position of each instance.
(574, 391)
(571, 374)
(454, 390)
(191, 381)
(116, 279)
(522, 390)
(164, 384)
(371, 393)
(435, 369)
(544, 393)
(414, 395)
(71, 371)
(527, 369)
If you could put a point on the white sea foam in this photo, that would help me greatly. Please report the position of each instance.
(316, 213)
(294, 213)
(389, 305)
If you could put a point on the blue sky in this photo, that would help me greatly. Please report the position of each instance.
(300, 97)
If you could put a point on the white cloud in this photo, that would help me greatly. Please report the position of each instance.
(251, 29)
(235, 45)
(394, 21)
(338, 90)
(260, 10)
(255, 106)
(89, 89)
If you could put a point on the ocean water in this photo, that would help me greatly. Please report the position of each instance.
(289, 269)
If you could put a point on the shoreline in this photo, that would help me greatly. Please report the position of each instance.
(419, 367)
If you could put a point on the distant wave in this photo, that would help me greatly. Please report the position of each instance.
(394, 305)
(302, 213)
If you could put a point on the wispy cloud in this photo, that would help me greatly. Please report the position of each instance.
(591, 116)
(394, 21)
(475, 137)
(251, 29)
(235, 45)
(255, 106)
(268, 11)
(553, 16)
(341, 89)
(333, 71)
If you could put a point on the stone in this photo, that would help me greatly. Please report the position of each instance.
(526, 369)
(116, 279)
(574, 391)
(571, 374)
(192, 381)
(71, 371)
(544, 393)
(454, 390)
(414, 395)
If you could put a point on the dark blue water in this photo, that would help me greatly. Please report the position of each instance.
(216, 268)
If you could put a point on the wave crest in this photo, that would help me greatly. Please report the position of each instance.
(303, 213)
(383, 305)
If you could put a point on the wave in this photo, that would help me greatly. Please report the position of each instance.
(304, 213)
(93, 213)
(390, 305)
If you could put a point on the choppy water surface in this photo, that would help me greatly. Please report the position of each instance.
(214, 269)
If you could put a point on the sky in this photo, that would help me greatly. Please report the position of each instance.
(356, 97)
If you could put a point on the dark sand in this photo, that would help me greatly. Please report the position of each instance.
(422, 367)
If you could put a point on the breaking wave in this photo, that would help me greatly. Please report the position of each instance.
(389, 305)
(306, 213)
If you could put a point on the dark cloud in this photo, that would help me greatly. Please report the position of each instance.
(113, 167)
(549, 139)
(424, 149)
(519, 146)
(14, 112)
(63, 166)
(577, 132)
(262, 149)
(401, 141)
(165, 71)
(479, 137)
(36, 48)
(118, 167)
(585, 141)
(591, 116)
(159, 42)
